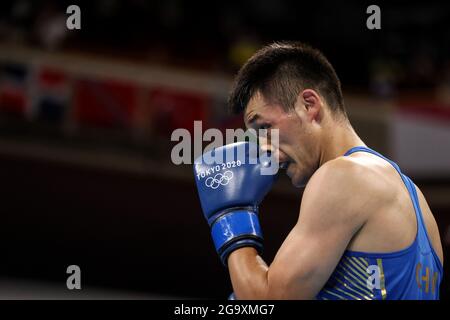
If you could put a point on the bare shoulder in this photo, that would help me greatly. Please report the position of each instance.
(346, 188)
(349, 178)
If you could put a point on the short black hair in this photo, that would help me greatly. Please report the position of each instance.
(280, 70)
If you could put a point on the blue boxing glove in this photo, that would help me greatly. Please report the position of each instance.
(231, 182)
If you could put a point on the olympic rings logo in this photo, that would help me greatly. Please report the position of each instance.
(219, 179)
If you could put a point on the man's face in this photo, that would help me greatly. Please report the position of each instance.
(296, 151)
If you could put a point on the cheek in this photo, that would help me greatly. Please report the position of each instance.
(291, 131)
(290, 136)
(287, 138)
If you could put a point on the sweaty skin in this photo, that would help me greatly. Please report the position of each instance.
(354, 203)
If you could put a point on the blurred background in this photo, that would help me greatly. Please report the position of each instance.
(86, 118)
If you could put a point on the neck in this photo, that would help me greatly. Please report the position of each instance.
(338, 139)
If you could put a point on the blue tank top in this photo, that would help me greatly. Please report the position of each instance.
(414, 273)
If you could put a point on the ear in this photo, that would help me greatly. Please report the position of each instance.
(312, 104)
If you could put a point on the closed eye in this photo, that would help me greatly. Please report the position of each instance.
(264, 126)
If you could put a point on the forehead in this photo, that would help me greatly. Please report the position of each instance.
(259, 108)
(255, 107)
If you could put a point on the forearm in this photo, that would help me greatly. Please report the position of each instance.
(253, 279)
(249, 274)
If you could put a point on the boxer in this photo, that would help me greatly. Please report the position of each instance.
(364, 231)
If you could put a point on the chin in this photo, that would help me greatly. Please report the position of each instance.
(298, 182)
(299, 185)
(299, 179)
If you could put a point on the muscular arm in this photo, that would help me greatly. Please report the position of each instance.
(330, 215)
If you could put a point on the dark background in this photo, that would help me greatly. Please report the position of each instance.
(98, 189)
